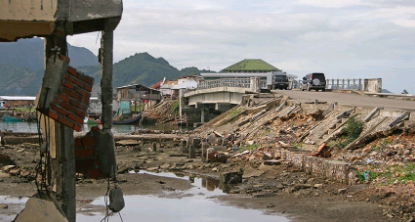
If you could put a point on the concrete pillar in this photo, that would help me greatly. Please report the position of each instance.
(106, 78)
(61, 171)
(192, 152)
(202, 115)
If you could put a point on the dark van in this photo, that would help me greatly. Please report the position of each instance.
(314, 81)
(280, 81)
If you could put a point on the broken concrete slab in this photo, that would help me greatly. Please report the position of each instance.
(251, 172)
(37, 209)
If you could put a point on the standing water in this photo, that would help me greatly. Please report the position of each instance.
(31, 127)
(196, 204)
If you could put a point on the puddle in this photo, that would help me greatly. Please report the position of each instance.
(193, 205)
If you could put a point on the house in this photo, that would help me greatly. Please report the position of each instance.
(247, 68)
(187, 82)
(15, 101)
(166, 88)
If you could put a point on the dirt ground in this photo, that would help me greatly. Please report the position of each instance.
(279, 189)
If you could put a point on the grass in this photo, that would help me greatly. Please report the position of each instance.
(235, 112)
(392, 173)
(175, 107)
(297, 144)
(353, 130)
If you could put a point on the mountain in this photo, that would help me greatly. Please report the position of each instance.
(140, 68)
(29, 53)
(386, 91)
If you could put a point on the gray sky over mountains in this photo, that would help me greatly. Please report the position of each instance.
(342, 38)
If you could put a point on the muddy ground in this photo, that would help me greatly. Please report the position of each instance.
(279, 189)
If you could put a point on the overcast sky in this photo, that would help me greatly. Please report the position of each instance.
(342, 38)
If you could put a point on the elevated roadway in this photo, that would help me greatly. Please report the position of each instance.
(348, 99)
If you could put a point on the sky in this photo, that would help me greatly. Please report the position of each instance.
(342, 38)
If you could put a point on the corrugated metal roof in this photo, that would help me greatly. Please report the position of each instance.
(251, 65)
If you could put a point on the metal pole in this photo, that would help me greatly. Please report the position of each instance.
(61, 172)
(106, 78)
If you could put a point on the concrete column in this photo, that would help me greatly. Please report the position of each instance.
(106, 78)
(202, 115)
(61, 170)
(337, 86)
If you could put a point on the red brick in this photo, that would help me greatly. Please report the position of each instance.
(55, 100)
(78, 142)
(84, 152)
(53, 107)
(66, 75)
(63, 97)
(89, 141)
(95, 173)
(75, 118)
(62, 57)
(88, 79)
(85, 99)
(78, 90)
(95, 128)
(61, 111)
(71, 71)
(86, 94)
(71, 94)
(65, 121)
(66, 106)
(77, 127)
(53, 115)
(68, 84)
(80, 113)
(84, 165)
(88, 87)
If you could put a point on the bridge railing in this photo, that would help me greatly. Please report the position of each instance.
(229, 82)
(356, 84)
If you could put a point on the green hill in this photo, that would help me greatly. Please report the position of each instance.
(140, 68)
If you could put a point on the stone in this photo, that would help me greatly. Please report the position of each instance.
(341, 191)
(8, 167)
(251, 172)
(37, 209)
(14, 172)
(232, 177)
(20, 150)
(272, 162)
(25, 173)
(215, 169)
(318, 186)
(4, 206)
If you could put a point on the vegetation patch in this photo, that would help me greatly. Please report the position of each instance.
(353, 130)
(389, 174)
(175, 107)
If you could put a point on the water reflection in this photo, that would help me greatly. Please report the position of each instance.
(31, 127)
(194, 205)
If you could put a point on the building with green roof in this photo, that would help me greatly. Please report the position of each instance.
(251, 65)
(248, 68)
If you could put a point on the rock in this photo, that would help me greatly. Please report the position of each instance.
(165, 166)
(272, 162)
(4, 206)
(357, 188)
(341, 191)
(215, 169)
(25, 173)
(250, 142)
(8, 167)
(37, 209)
(127, 143)
(14, 172)
(251, 172)
(263, 195)
(2, 175)
(20, 150)
(233, 177)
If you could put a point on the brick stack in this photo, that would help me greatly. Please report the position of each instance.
(86, 156)
(71, 103)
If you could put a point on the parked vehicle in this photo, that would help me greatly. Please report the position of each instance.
(314, 81)
(280, 81)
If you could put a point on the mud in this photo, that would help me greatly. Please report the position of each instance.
(279, 189)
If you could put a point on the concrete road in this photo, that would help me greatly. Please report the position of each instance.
(348, 99)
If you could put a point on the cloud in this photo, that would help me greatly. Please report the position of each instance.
(344, 38)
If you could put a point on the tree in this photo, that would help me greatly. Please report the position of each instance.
(404, 91)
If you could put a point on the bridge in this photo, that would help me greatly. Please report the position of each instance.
(213, 97)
